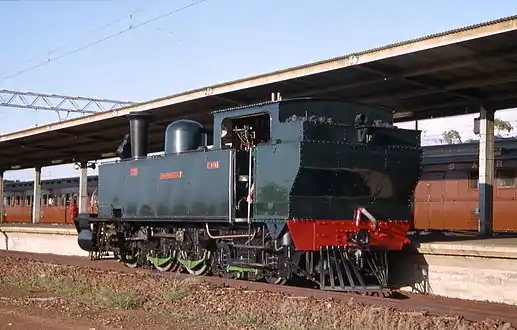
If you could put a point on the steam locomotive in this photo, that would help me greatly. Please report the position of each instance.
(303, 188)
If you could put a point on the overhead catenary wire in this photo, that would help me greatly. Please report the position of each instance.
(106, 38)
(100, 28)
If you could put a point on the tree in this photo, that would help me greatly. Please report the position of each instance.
(502, 125)
(451, 136)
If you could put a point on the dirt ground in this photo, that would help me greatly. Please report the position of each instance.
(36, 295)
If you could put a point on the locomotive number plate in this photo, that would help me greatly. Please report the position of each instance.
(212, 165)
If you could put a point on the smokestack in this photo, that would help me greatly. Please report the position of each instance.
(139, 132)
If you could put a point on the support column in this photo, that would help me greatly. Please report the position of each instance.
(36, 202)
(83, 188)
(486, 171)
(2, 210)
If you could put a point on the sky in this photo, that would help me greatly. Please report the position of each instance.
(53, 46)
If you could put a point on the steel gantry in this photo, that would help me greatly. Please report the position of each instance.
(58, 103)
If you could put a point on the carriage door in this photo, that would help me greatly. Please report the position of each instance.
(428, 212)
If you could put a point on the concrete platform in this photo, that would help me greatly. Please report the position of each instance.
(39, 225)
(500, 246)
(446, 265)
(60, 240)
(462, 267)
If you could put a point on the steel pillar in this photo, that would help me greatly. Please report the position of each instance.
(2, 201)
(486, 171)
(83, 188)
(36, 202)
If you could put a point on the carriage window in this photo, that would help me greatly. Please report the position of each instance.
(473, 179)
(8, 203)
(51, 200)
(18, 201)
(505, 178)
(28, 200)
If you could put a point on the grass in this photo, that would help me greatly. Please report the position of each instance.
(186, 302)
(102, 295)
(178, 290)
(250, 319)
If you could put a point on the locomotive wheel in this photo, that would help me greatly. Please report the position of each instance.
(272, 279)
(131, 265)
(131, 261)
(169, 266)
(192, 256)
(202, 270)
(221, 259)
(198, 267)
(166, 266)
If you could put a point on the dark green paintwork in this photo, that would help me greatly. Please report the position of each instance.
(200, 193)
(314, 170)
(315, 166)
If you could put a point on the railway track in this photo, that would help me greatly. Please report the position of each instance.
(432, 305)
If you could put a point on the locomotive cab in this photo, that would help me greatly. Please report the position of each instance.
(242, 132)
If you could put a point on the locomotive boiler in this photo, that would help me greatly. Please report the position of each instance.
(310, 188)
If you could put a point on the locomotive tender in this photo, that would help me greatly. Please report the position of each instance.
(302, 188)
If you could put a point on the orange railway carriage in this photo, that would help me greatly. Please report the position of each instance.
(447, 196)
(57, 196)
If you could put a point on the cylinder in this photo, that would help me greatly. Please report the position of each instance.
(139, 132)
(184, 135)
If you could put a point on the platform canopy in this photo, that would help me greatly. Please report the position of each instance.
(444, 74)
